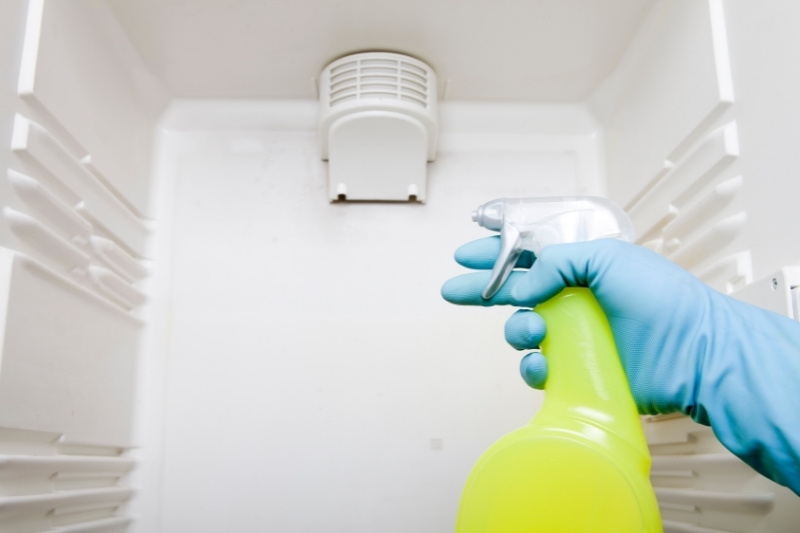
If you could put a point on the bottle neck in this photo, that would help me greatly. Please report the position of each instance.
(585, 379)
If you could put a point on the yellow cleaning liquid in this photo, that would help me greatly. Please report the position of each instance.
(581, 465)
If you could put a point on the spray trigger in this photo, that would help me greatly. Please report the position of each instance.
(533, 223)
(510, 250)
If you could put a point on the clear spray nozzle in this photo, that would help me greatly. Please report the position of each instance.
(533, 223)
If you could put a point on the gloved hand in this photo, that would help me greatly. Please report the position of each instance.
(683, 346)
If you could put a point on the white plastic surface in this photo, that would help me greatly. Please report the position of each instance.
(58, 376)
(683, 83)
(378, 126)
(776, 293)
(377, 155)
(298, 372)
(79, 68)
(533, 51)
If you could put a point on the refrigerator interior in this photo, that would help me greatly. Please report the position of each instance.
(195, 338)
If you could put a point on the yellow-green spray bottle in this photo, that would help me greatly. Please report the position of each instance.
(581, 465)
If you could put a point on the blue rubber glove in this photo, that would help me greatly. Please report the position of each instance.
(684, 346)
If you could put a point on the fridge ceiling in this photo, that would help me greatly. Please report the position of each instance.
(529, 50)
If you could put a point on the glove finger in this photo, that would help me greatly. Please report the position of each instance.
(482, 254)
(558, 266)
(533, 369)
(525, 330)
(466, 289)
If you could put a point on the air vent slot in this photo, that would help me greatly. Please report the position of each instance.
(371, 77)
(378, 126)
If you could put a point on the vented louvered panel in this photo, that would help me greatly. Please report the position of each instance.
(379, 78)
(378, 126)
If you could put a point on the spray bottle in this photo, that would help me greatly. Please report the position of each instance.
(581, 465)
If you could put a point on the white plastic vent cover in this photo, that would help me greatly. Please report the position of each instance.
(378, 126)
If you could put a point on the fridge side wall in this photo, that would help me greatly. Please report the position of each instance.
(76, 119)
(701, 129)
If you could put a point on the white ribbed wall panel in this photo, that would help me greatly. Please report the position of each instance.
(47, 485)
(73, 245)
(691, 195)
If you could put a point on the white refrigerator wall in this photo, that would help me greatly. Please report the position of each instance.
(309, 346)
(77, 119)
(293, 367)
(700, 131)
